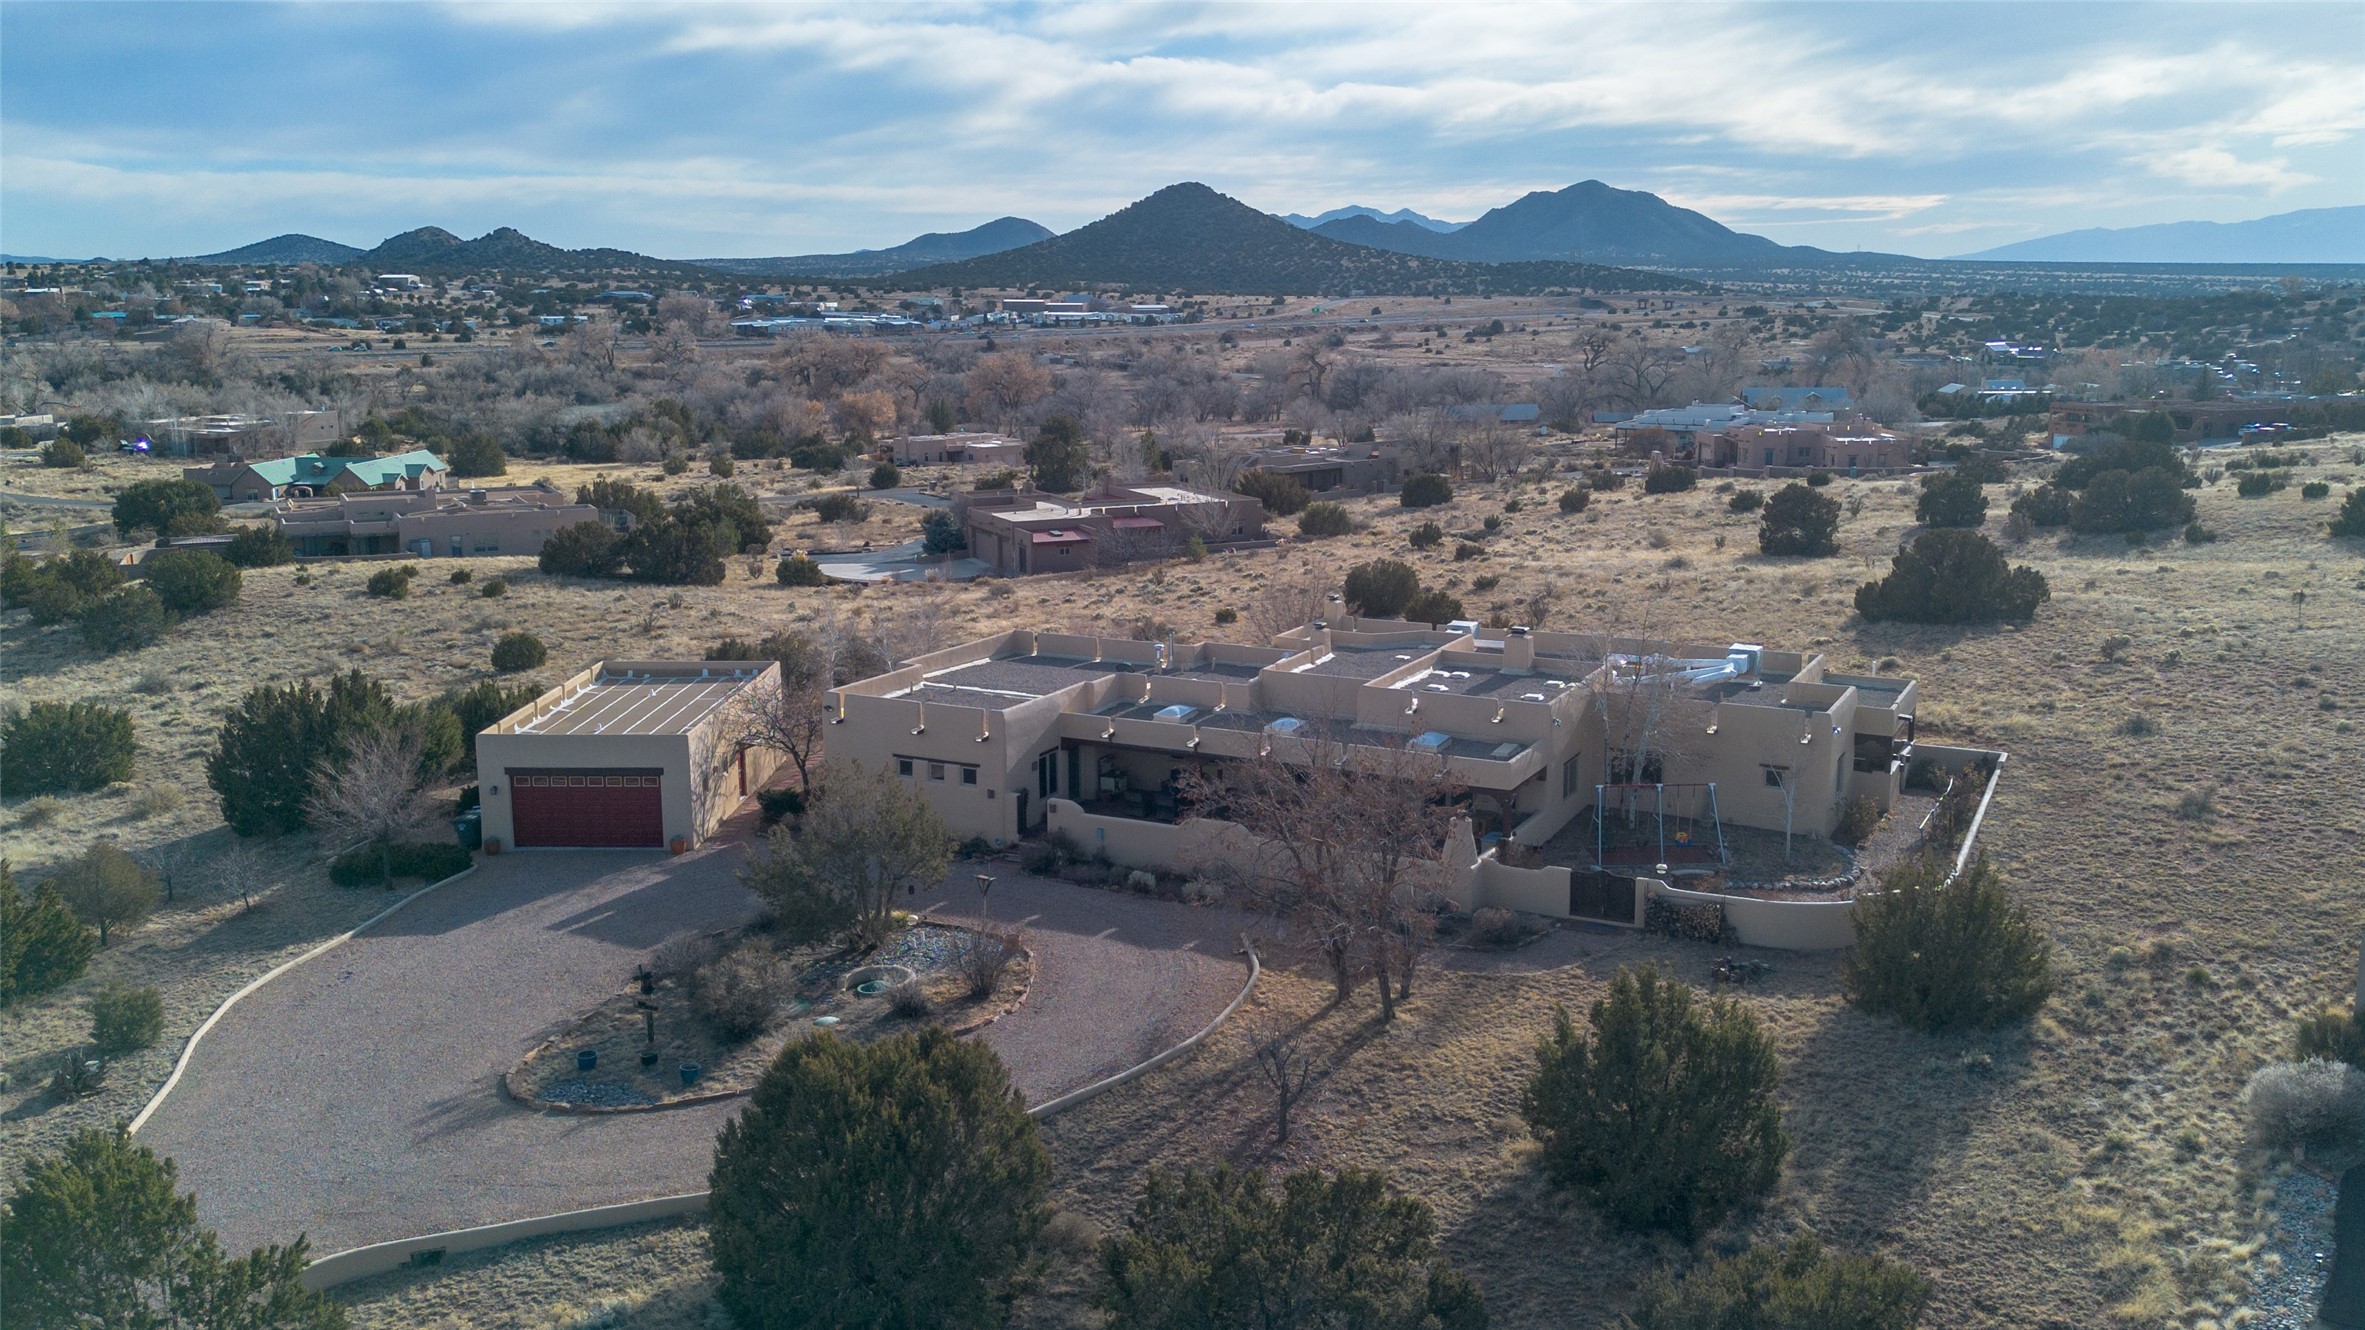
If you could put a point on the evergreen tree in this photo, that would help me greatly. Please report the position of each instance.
(1799, 522)
(42, 945)
(1942, 955)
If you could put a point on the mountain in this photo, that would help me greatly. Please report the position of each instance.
(433, 249)
(1305, 223)
(2312, 235)
(1187, 237)
(289, 248)
(1588, 221)
(1000, 234)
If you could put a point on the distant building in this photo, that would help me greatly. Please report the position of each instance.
(187, 436)
(314, 475)
(1017, 532)
(431, 523)
(1325, 467)
(1497, 413)
(1685, 423)
(966, 448)
(1821, 397)
(1853, 449)
(400, 281)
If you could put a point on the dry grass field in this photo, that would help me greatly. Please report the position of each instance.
(2087, 1171)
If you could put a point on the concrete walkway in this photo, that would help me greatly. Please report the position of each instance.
(353, 1099)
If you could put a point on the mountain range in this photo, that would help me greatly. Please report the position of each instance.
(1305, 223)
(1586, 222)
(2312, 235)
(1188, 237)
(935, 247)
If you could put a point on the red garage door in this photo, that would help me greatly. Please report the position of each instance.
(599, 808)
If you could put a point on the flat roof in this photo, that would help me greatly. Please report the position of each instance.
(1366, 662)
(1024, 677)
(643, 700)
(1487, 681)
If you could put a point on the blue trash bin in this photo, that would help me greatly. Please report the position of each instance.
(468, 827)
(586, 1059)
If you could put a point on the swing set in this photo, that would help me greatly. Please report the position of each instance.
(1643, 825)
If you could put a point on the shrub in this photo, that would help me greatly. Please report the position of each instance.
(2332, 1034)
(850, 1161)
(1602, 478)
(586, 549)
(1573, 500)
(392, 583)
(1281, 495)
(2196, 534)
(1794, 1287)
(1953, 577)
(2258, 484)
(42, 945)
(462, 576)
(100, 1235)
(1663, 1113)
(1818, 479)
(1746, 501)
(1464, 551)
(984, 959)
(1952, 500)
(1426, 536)
(125, 1020)
(1227, 615)
(1425, 490)
(516, 652)
(1224, 1248)
(720, 466)
(476, 455)
(1381, 588)
(1325, 519)
(779, 805)
(2316, 1105)
(940, 532)
(271, 744)
(797, 570)
(52, 746)
(372, 865)
(259, 547)
(1432, 606)
(735, 995)
(63, 454)
(2131, 501)
(56, 590)
(1669, 480)
(675, 465)
(2350, 523)
(1799, 522)
(167, 507)
(494, 588)
(885, 476)
(124, 620)
(2315, 489)
(1497, 927)
(1857, 819)
(192, 582)
(840, 506)
(2045, 506)
(106, 888)
(40, 811)
(1942, 955)
(1486, 582)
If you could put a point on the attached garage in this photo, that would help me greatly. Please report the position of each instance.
(625, 755)
(622, 809)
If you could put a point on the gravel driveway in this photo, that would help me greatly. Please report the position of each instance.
(354, 1098)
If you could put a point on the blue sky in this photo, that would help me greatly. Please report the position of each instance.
(746, 129)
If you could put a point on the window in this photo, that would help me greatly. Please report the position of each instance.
(1047, 774)
(1775, 776)
(968, 775)
(936, 771)
(903, 767)
(1570, 773)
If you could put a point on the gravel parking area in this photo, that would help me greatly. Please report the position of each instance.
(354, 1100)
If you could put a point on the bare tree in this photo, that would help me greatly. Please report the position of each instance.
(375, 795)
(1288, 1068)
(791, 715)
(1286, 601)
(239, 868)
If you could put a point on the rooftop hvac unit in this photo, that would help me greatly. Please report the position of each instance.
(1466, 627)
(1505, 752)
(1431, 741)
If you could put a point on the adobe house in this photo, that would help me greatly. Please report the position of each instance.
(1017, 532)
(431, 523)
(625, 754)
(312, 475)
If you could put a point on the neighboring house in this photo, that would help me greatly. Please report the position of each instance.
(431, 523)
(1822, 397)
(1016, 532)
(1684, 424)
(626, 754)
(1850, 448)
(315, 474)
(185, 436)
(965, 448)
(1551, 734)
(1325, 467)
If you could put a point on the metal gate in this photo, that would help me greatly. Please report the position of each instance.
(1602, 896)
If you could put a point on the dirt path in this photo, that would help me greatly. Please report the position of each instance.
(353, 1099)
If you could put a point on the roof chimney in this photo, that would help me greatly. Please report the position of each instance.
(1519, 651)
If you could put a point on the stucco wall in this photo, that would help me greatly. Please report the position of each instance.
(1782, 925)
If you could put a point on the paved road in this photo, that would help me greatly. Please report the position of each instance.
(354, 1098)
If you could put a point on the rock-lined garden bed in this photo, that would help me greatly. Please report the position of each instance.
(723, 1007)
